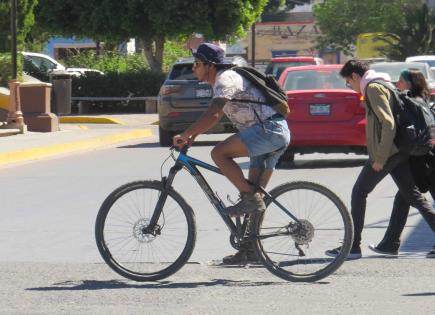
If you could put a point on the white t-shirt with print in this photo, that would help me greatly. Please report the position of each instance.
(231, 85)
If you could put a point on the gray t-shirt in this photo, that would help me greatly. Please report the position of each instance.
(231, 85)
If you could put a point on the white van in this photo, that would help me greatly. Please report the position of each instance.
(429, 59)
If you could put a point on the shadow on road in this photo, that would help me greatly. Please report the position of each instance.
(323, 163)
(420, 294)
(420, 239)
(120, 284)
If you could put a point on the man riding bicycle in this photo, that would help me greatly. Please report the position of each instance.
(263, 133)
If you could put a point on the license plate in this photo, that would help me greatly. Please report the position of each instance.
(320, 109)
(203, 93)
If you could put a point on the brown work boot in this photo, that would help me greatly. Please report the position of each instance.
(249, 203)
(242, 257)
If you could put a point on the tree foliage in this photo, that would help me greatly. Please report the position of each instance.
(414, 37)
(25, 21)
(275, 6)
(150, 21)
(340, 21)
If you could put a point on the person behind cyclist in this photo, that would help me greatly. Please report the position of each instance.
(384, 157)
(263, 134)
(422, 170)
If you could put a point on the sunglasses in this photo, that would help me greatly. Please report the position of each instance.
(197, 62)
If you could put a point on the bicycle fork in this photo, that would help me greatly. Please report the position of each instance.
(153, 227)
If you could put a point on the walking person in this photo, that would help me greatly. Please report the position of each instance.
(422, 169)
(384, 156)
(263, 133)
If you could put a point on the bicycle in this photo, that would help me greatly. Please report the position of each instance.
(146, 231)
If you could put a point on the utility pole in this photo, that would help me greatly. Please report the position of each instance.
(14, 38)
(15, 116)
(253, 45)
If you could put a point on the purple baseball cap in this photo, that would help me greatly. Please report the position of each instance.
(209, 53)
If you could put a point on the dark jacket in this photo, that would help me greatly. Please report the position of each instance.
(423, 171)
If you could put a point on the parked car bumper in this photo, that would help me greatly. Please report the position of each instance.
(349, 133)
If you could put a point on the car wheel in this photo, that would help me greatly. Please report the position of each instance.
(165, 137)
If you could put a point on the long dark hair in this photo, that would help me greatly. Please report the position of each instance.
(418, 83)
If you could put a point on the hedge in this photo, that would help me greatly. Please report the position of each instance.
(134, 83)
(114, 83)
(6, 69)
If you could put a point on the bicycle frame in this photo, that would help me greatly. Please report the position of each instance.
(191, 164)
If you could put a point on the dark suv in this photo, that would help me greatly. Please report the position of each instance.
(182, 100)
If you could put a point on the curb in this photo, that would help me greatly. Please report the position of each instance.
(56, 149)
(89, 120)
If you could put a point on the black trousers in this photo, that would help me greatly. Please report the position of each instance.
(408, 195)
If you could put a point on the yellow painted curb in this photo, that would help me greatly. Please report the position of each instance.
(56, 149)
(89, 120)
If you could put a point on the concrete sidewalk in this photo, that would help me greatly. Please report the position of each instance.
(81, 134)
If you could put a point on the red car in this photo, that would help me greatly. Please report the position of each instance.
(326, 116)
(278, 64)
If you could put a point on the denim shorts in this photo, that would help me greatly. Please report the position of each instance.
(266, 142)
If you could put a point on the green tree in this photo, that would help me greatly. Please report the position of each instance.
(340, 21)
(25, 21)
(151, 21)
(275, 6)
(414, 37)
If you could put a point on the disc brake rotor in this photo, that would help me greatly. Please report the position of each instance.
(139, 233)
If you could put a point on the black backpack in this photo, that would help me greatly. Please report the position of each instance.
(415, 123)
(267, 84)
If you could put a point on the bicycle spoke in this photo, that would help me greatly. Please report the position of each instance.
(136, 251)
(296, 251)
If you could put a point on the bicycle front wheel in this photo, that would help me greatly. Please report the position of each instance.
(296, 252)
(129, 247)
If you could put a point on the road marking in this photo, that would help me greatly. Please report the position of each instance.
(56, 149)
(89, 120)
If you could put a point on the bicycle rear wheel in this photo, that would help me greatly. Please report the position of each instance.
(135, 252)
(297, 252)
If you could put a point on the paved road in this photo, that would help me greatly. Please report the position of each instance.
(367, 286)
(50, 265)
(50, 205)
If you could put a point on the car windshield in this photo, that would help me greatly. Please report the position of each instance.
(314, 80)
(276, 68)
(182, 71)
(394, 69)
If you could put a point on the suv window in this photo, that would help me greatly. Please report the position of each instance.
(276, 68)
(182, 72)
